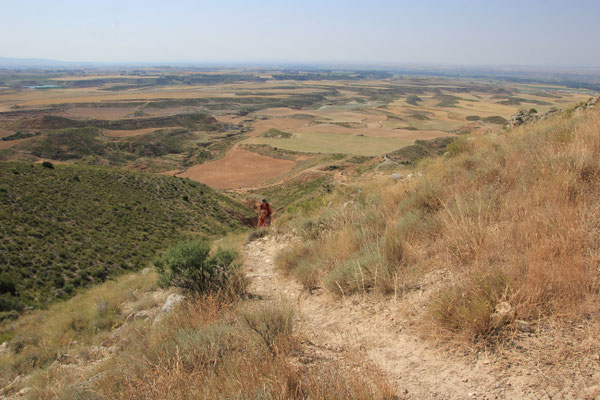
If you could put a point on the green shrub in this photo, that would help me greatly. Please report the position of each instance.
(9, 315)
(7, 285)
(10, 303)
(190, 266)
(276, 133)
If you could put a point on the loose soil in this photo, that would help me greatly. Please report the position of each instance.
(238, 169)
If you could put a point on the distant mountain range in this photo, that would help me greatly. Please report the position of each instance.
(6, 62)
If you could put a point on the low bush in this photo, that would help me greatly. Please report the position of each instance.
(190, 266)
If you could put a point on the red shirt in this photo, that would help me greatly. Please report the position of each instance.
(265, 206)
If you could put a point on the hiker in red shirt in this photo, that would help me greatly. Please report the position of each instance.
(264, 214)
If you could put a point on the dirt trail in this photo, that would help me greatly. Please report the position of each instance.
(380, 332)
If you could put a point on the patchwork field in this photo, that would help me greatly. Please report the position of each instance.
(240, 128)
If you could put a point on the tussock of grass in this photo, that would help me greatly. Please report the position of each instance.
(513, 214)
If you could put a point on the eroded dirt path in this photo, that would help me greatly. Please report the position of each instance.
(380, 332)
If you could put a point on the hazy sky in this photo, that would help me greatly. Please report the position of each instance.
(529, 32)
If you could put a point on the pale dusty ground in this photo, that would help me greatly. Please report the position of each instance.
(382, 333)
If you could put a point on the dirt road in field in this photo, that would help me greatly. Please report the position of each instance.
(380, 333)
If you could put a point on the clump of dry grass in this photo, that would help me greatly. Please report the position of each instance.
(514, 215)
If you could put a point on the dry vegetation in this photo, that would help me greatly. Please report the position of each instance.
(511, 217)
(208, 347)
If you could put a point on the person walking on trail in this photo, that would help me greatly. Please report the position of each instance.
(264, 214)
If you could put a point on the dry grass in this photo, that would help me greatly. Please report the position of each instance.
(209, 349)
(513, 215)
(70, 327)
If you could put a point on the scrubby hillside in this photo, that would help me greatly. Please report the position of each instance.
(70, 226)
(509, 219)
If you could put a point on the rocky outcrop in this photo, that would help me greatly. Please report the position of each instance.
(593, 102)
(527, 116)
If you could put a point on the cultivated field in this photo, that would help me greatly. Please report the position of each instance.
(238, 169)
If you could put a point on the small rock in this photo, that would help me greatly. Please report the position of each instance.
(396, 177)
(140, 315)
(171, 302)
(502, 315)
(112, 349)
(24, 391)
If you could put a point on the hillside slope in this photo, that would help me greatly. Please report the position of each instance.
(73, 225)
(511, 218)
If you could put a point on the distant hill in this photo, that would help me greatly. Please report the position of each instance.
(71, 226)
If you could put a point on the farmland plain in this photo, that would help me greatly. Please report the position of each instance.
(195, 123)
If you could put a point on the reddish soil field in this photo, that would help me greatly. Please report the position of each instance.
(238, 169)
(5, 133)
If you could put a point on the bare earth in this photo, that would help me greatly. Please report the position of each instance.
(380, 332)
(238, 169)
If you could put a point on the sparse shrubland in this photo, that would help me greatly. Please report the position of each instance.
(512, 216)
(73, 226)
